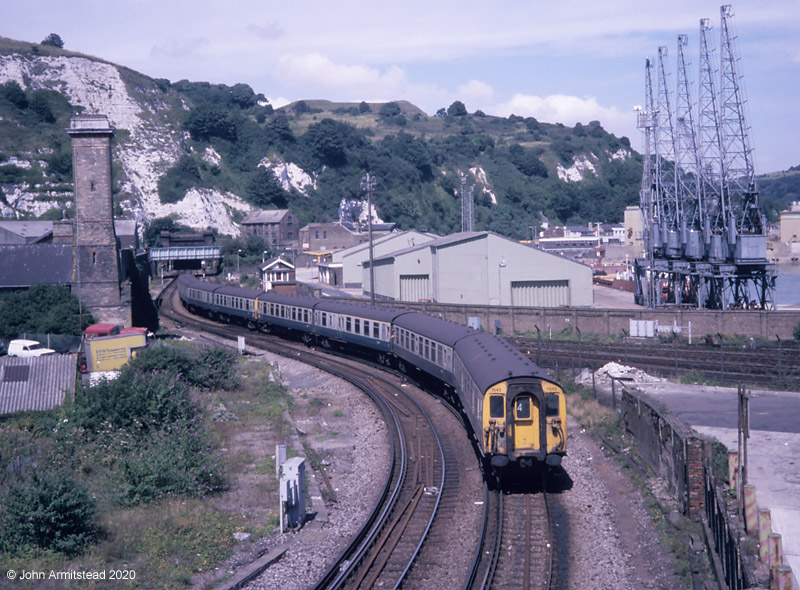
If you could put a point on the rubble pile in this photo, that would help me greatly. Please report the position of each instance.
(615, 371)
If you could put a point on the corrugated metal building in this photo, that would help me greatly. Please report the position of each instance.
(39, 383)
(481, 268)
(352, 259)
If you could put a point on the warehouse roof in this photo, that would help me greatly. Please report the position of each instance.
(31, 264)
(39, 383)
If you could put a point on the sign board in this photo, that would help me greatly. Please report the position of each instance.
(112, 352)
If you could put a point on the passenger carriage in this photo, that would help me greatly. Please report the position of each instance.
(515, 411)
(290, 314)
(197, 294)
(345, 323)
(235, 304)
(427, 343)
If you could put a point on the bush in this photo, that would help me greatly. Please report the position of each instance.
(49, 511)
(206, 367)
(796, 332)
(135, 402)
(177, 460)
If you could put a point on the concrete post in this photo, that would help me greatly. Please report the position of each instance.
(775, 550)
(733, 472)
(750, 510)
(784, 577)
(764, 529)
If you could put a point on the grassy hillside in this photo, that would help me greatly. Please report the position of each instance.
(515, 163)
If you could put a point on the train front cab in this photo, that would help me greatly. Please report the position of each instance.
(524, 421)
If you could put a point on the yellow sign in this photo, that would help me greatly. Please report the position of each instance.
(112, 352)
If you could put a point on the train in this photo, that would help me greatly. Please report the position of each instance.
(515, 411)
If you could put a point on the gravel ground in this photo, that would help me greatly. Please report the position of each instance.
(612, 542)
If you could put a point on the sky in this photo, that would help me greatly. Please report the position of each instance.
(559, 61)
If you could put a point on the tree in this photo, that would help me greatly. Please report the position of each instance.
(390, 109)
(243, 96)
(53, 40)
(265, 191)
(208, 120)
(363, 107)
(457, 109)
(14, 94)
(43, 309)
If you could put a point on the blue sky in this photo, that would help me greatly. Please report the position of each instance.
(565, 62)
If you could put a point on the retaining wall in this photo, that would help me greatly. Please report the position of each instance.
(611, 322)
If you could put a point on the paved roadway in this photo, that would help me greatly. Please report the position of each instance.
(773, 449)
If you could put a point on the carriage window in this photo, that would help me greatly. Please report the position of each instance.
(305, 315)
(523, 407)
(347, 324)
(427, 353)
(496, 406)
(294, 313)
(324, 319)
(376, 330)
(358, 326)
(551, 405)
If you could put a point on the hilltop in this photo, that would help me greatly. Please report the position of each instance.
(204, 154)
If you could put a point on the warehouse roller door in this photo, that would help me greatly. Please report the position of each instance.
(540, 293)
(415, 287)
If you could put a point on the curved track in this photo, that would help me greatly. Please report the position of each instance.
(419, 496)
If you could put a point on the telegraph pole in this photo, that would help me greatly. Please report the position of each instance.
(368, 184)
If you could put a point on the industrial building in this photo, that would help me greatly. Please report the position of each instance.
(480, 268)
(347, 266)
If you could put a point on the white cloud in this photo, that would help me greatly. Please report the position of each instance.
(317, 71)
(475, 91)
(561, 108)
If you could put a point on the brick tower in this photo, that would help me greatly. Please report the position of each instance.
(95, 267)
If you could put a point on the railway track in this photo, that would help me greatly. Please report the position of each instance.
(518, 550)
(408, 530)
(761, 366)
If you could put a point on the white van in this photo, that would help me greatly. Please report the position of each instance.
(27, 348)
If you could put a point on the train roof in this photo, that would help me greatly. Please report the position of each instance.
(237, 291)
(434, 328)
(491, 360)
(287, 299)
(380, 314)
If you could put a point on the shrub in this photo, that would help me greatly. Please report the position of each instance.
(50, 511)
(136, 402)
(796, 332)
(176, 460)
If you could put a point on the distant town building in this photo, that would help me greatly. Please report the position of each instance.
(278, 228)
(634, 230)
(790, 226)
(325, 238)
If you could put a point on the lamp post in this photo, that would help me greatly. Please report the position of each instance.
(368, 185)
(238, 253)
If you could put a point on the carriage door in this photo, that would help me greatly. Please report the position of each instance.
(526, 422)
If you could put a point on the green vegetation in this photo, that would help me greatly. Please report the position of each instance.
(417, 159)
(42, 309)
(121, 444)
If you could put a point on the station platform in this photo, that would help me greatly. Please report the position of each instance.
(773, 449)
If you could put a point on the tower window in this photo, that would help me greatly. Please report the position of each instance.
(94, 256)
(91, 185)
